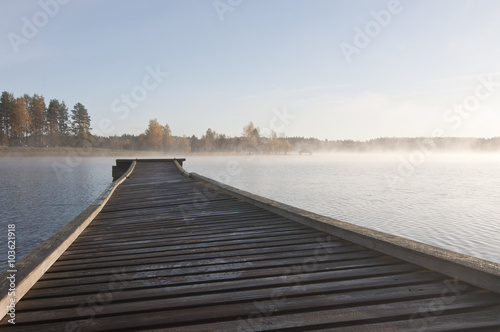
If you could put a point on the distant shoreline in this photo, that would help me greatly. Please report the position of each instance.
(7, 151)
(100, 152)
(64, 151)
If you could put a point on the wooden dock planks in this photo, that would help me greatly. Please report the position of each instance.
(168, 253)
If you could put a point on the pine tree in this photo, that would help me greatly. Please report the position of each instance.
(6, 104)
(168, 143)
(63, 119)
(80, 122)
(19, 121)
(208, 140)
(36, 110)
(52, 121)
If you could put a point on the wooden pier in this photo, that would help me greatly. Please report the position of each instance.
(166, 250)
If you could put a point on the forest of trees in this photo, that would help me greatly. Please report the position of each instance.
(159, 138)
(29, 121)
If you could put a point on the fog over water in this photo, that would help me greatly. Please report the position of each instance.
(447, 200)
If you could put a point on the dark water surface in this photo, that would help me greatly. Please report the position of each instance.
(41, 195)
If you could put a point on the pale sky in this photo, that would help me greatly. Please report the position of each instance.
(315, 68)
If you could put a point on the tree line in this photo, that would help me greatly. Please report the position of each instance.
(159, 138)
(29, 121)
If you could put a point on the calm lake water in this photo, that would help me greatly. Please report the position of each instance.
(451, 201)
(41, 195)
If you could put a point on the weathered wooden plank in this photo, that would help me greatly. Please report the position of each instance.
(181, 310)
(318, 295)
(343, 270)
(168, 250)
(212, 224)
(155, 257)
(160, 265)
(404, 316)
(339, 261)
(180, 236)
(478, 319)
(389, 274)
(183, 245)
